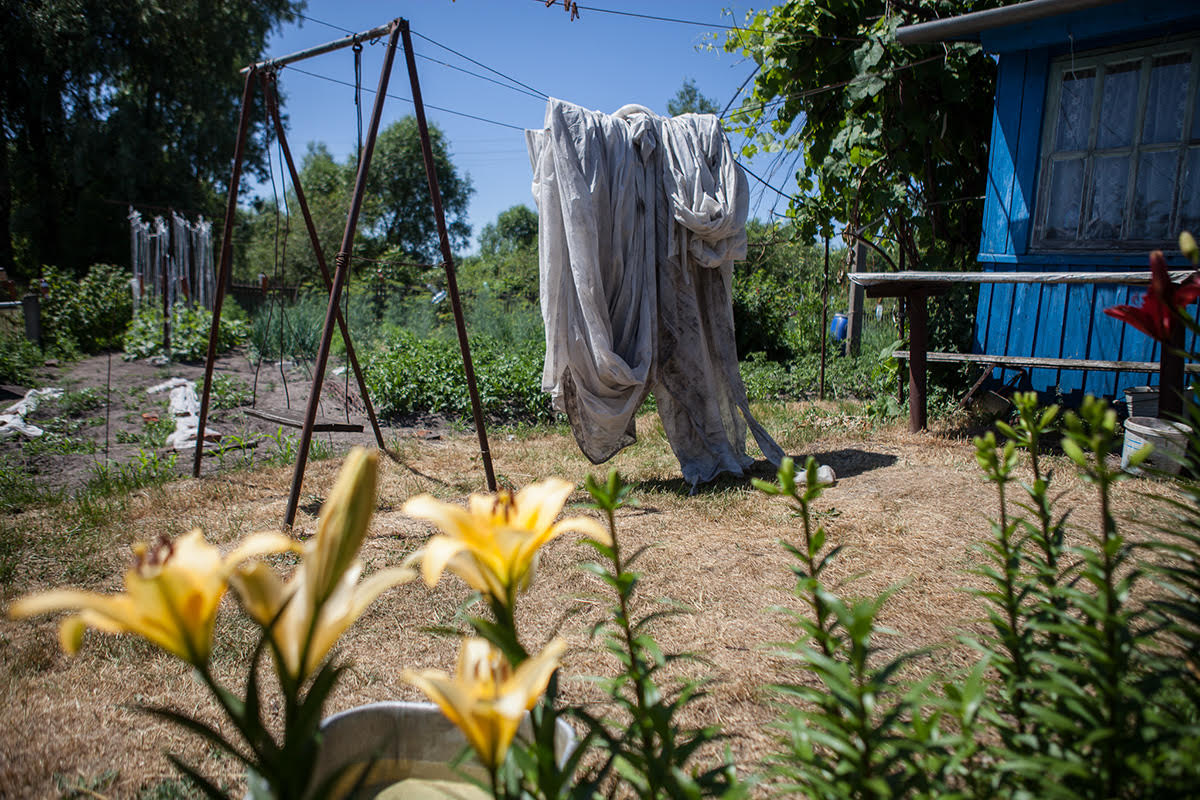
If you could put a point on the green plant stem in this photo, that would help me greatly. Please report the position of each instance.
(635, 662)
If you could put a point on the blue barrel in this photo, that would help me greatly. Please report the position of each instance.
(838, 327)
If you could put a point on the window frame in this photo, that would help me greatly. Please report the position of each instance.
(1099, 61)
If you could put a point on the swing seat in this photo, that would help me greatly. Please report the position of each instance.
(296, 421)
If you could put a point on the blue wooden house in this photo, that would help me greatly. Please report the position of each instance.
(1094, 162)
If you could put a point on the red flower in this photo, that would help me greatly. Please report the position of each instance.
(1161, 304)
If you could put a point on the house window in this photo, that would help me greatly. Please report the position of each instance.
(1121, 149)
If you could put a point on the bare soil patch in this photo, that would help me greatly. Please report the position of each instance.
(908, 509)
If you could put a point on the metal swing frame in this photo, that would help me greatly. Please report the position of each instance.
(265, 71)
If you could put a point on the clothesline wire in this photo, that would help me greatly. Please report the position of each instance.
(526, 91)
(407, 100)
(710, 25)
(836, 85)
(542, 94)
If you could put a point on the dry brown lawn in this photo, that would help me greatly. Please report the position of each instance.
(908, 509)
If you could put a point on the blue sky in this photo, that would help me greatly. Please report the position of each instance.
(601, 61)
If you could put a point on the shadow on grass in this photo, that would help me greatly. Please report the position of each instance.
(846, 463)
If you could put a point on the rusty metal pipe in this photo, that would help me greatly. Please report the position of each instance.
(226, 263)
(342, 267)
(447, 258)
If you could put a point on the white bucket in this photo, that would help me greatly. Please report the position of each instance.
(1168, 439)
(410, 742)
(1142, 401)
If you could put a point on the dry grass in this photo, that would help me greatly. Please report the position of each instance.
(907, 509)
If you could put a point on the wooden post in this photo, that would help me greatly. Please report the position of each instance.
(855, 311)
(341, 269)
(31, 305)
(1170, 375)
(917, 316)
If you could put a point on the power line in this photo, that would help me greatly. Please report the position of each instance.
(407, 100)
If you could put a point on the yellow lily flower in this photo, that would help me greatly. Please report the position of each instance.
(493, 543)
(486, 699)
(323, 597)
(172, 592)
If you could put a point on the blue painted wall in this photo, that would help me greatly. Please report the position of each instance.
(1056, 321)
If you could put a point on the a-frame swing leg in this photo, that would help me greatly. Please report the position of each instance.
(435, 195)
(318, 253)
(342, 267)
(226, 261)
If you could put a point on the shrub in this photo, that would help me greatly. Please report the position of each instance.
(190, 328)
(416, 376)
(19, 357)
(90, 314)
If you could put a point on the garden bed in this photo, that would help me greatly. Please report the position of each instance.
(909, 509)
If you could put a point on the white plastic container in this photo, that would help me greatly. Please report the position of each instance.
(1142, 401)
(1169, 440)
(409, 742)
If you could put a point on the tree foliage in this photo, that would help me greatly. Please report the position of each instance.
(400, 209)
(688, 100)
(891, 138)
(104, 102)
(397, 223)
(515, 229)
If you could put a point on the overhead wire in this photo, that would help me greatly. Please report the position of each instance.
(710, 25)
(520, 89)
(406, 99)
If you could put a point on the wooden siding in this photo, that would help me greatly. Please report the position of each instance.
(1056, 321)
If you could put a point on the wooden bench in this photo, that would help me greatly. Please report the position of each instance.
(916, 287)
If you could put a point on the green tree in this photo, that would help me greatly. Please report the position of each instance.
(688, 100)
(514, 229)
(892, 138)
(507, 264)
(399, 210)
(104, 102)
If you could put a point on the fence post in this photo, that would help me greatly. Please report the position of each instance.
(31, 304)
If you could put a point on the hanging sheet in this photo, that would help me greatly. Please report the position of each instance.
(640, 220)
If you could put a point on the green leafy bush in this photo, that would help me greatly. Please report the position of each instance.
(89, 314)
(190, 327)
(19, 357)
(416, 376)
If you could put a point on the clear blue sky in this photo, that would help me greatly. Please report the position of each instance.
(601, 61)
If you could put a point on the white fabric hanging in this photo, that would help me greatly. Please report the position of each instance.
(640, 220)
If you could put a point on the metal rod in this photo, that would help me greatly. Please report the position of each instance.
(342, 266)
(318, 253)
(328, 47)
(447, 258)
(824, 319)
(226, 261)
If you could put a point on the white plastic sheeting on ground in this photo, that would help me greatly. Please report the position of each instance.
(640, 220)
(12, 421)
(184, 406)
